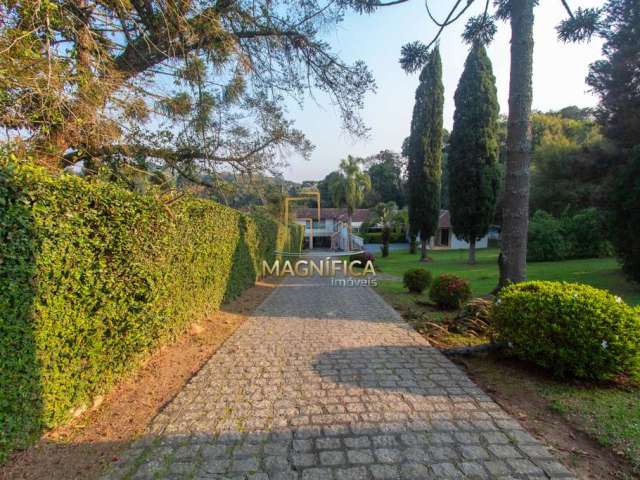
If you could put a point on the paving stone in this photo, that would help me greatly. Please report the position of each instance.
(388, 455)
(446, 470)
(384, 472)
(327, 443)
(326, 382)
(415, 471)
(317, 474)
(332, 457)
(360, 456)
(352, 473)
(357, 442)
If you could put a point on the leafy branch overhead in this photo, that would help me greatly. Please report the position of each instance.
(209, 76)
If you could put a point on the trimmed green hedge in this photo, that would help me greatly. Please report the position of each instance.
(93, 277)
(569, 328)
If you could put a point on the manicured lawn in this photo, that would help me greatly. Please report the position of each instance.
(599, 272)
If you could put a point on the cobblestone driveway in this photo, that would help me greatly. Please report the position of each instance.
(330, 383)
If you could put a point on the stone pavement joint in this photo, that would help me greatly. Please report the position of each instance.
(328, 382)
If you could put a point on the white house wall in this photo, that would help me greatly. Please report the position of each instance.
(459, 244)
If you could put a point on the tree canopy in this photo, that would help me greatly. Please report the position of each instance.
(199, 84)
(386, 170)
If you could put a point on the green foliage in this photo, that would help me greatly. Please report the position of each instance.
(586, 233)
(93, 277)
(386, 179)
(450, 291)
(424, 149)
(473, 149)
(547, 240)
(387, 216)
(417, 280)
(626, 217)
(582, 235)
(572, 163)
(376, 237)
(569, 328)
(615, 78)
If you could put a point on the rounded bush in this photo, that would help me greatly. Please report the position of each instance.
(417, 280)
(450, 291)
(570, 329)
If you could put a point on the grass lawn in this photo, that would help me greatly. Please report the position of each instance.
(599, 272)
(609, 414)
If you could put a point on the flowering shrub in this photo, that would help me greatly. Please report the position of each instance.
(450, 291)
(417, 280)
(570, 329)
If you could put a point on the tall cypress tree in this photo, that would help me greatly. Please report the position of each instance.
(424, 149)
(473, 150)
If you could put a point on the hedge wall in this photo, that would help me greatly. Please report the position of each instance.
(92, 277)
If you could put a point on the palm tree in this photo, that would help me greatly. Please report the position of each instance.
(388, 217)
(350, 187)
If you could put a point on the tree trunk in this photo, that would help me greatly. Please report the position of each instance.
(472, 252)
(424, 252)
(386, 235)
(515, 216)
(413, 245)
(349, 245)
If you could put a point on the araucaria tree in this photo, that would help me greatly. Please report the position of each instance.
(87, 79)
(424, 150)
(473, 150)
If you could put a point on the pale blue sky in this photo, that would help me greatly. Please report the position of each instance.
(559, 73)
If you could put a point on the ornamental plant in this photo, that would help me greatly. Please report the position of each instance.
(417, 280)
(570, 329)
(450, 291)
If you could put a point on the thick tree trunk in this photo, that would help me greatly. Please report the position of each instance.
(472, 252)
(349, 245)
(515, 215)
(424, 252)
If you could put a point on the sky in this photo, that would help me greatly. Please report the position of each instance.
(559, 71)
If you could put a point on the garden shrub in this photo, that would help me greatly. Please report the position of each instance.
(546, 241)
(93, 276)
(570, 329)
(582, 235)
(450, 291)
(417, 280)
(586, 234)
